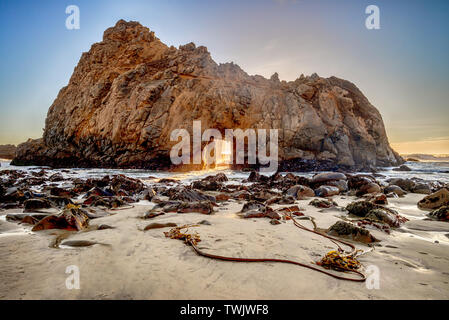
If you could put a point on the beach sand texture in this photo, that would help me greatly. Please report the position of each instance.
(146, 265)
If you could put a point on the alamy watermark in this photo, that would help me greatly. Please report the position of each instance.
(373, 20)
(221, 150)
(72, 22)
(373, 277)
(73, 280)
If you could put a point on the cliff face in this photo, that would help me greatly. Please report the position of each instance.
(130, 91)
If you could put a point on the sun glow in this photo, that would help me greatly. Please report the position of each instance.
(223, 157)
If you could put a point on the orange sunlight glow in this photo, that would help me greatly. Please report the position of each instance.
(434, 147)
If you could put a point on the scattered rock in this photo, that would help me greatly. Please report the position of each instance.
(405, 184)
(272, 214)
(222, 197)
(328, 176)
(395, 189)
(189, 195)
(371, 187)
(207, 185)
(375, 212)
(204, 207)
(355, 182)
(326, 191)
(280, 200)
(254, 214)
(241, 195)
(150, 214)
(382, 216)
(253, 205)
(323, 203)
(435, 200)
(220, 177)
(104, 227)
(348, 230)
(361, 208)
(25, 218)
(32, 205)
(402, 168)
(377, 198)
(78, 243)
(342, 185)
(69, 219)
(156, 225)
(300, 192)
(441, 214)
(59, 201)
(422, 188)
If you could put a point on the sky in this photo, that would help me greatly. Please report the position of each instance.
(402, 68)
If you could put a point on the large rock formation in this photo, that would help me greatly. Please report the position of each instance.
(130, 91)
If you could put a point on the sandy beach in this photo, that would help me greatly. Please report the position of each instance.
(129, 263)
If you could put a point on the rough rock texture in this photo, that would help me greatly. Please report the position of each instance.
(7, 151)
(130, 91)
(435, 200)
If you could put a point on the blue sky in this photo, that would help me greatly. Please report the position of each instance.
(402, 68)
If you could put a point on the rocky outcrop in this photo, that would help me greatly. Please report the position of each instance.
(7, 151)
(130, 91)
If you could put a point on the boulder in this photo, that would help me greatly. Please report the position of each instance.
(342, 185)
(264, 195)
(348, 230)
(280, 200)
(219, 177)
(328, 176)
(395, 189)
(207, 185)
(371, 187)
(69, 219)
(241, 195)
(402, 168)
(377, 198)
(326, 191)
(405, 184)
(361, 208)
(375, 212)
(382, 215)
(122, 182)
(254, 214)
(204, 207)
(355, 182)
(300, 192)
(422, 188)
(189, 195)
(435, 200)
(441, 214)
(150, 214)
(253, 205)
(222, 197)
(34, 204)
(323, 203)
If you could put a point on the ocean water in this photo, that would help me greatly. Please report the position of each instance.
(428, 171)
